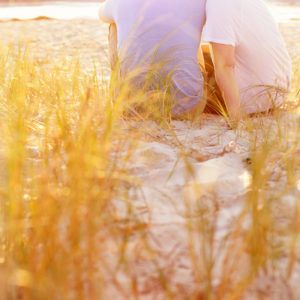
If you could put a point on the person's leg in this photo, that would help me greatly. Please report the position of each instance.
(215, 102)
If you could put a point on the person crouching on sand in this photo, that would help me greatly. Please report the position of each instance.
(160, 37)
(250, 62)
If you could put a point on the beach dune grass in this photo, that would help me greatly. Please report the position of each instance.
(65, 153)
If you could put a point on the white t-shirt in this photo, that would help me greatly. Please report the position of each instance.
(263, 66)
(165, 33)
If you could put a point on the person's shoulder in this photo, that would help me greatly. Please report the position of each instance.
(220, 4)
(224, 8)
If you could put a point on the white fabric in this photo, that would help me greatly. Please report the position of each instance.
(263, 66)
(166, 32)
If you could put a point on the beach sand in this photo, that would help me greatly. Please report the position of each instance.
(218, 156)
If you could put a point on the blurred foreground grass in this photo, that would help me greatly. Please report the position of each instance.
(65, 154)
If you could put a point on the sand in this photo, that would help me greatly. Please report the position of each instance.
(217, 156)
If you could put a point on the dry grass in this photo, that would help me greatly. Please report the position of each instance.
(69, 225)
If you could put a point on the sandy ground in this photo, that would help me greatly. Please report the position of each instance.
(217, 155)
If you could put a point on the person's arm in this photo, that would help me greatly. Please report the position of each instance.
(224, 63)
(103, 14)
(203, 50)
